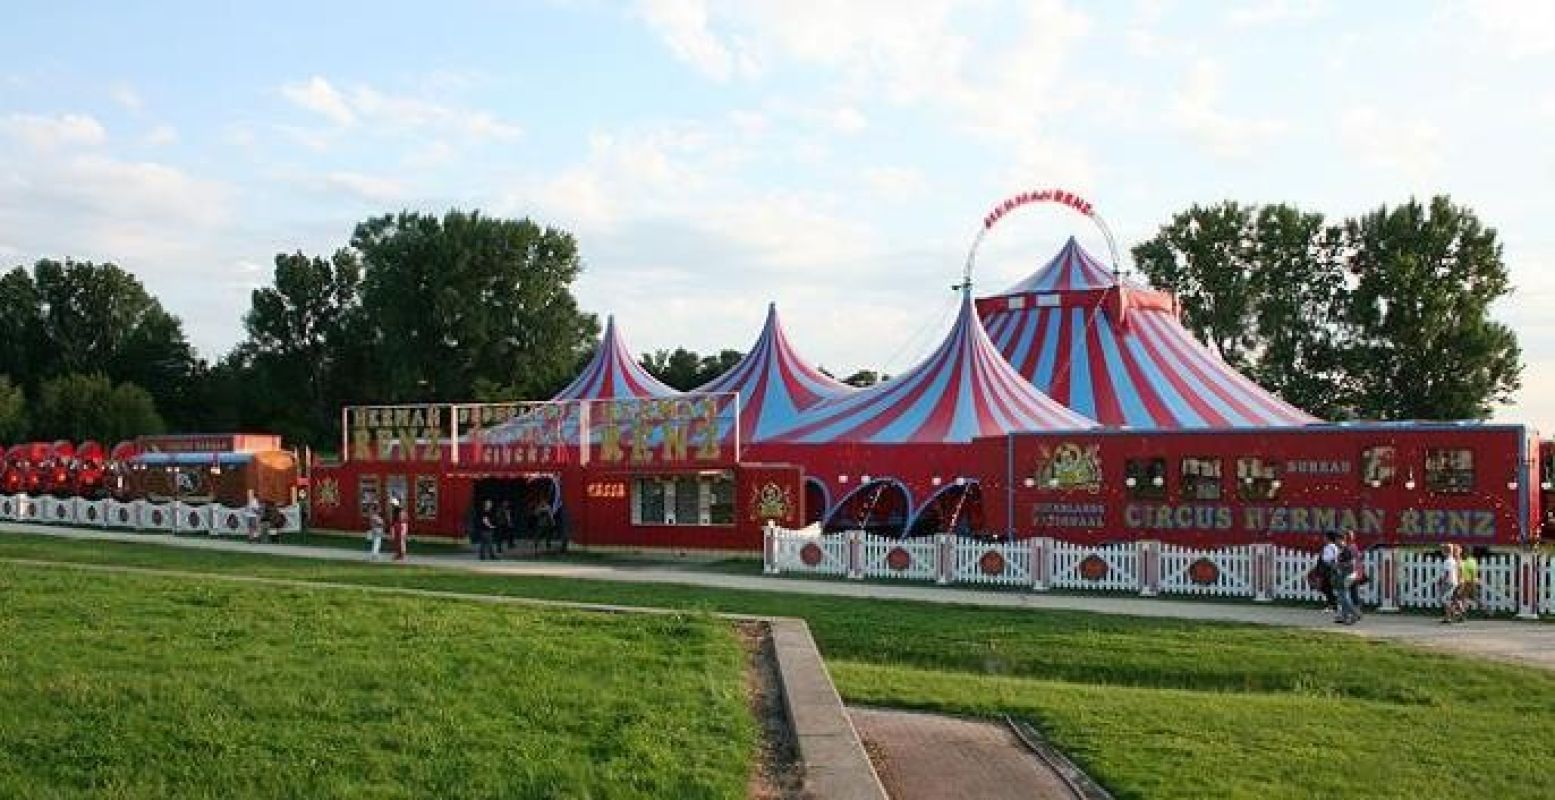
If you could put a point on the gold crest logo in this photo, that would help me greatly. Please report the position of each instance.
(772, 503)
(328, 495)
(1070, 466)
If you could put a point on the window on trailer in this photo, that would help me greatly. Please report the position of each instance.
(1145, 478)
(1449, 470)
(1256, 479)
(1201, 478)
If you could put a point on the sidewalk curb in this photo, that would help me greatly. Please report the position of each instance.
(835, 763)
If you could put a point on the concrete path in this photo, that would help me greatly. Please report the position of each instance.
(1524, 642)
(928, 757)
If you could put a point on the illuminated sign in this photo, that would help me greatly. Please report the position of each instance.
(397, 433)
(1060, 196)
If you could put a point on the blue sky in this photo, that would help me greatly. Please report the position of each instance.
(835, 157)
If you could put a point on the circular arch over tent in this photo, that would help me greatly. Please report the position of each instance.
(879, 505)
(1061, 197)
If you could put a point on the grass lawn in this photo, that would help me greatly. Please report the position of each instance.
(1152, 708)
(150, 686)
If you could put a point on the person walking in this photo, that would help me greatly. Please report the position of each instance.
(399, 527)
(1327, 562)
(1448, 583)
(545, 523)
(1346, 567)
(506, 540)
(486, 529)
(374, 532)
(252, 517)
(1468, 585)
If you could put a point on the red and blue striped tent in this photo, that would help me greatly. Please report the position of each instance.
(1115, 351)
(613, 373)
(774, 383)
(964, 390)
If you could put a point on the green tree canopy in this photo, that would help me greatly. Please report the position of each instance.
(685, 370)
(1383, 317)
(13, 412)
(448, 301)
(80, 407)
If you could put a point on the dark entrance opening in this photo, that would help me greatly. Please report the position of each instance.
(527, 510)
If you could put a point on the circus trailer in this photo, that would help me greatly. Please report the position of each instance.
(91, 471)
(624, 473)
(212, 468)
(1547, 489)
(1410, 483)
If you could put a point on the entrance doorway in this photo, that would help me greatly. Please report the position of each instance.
(529, 511)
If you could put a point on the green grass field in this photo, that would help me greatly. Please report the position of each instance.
(150, 687)
(1152, 708)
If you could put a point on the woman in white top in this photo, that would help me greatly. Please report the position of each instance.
(1448, 583)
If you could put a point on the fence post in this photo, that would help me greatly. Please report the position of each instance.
(947, 558)
(1038, 556)
(1263, 572)
(769, 549)
(1149, 568)
(1526, 579)
(856, 555)
(1387, 579)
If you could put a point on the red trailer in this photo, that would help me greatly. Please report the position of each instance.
(1393, 483)
(90, 471)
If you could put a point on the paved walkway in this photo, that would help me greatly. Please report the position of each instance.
(928, 756)
(1525, 642)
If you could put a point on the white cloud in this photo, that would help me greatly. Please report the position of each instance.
(1518, 28)
(1277, 12)
(366, 187)
(895, 183)
(161, 135)
(42, 133)
(318, 96)
(125, 95)
(1195, 111)
(683, 24)
(366, 107)
(1411, 148)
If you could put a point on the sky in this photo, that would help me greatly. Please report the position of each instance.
(833, 156)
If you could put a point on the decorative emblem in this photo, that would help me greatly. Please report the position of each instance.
(771, 502)
(234, 522)
(811, 554)
(156, 516)
(898, 559)
(60, 512)
(1071, 466)
(194, 519)
(91, 513)
(1379, 465)
(124, 515)
(328, 495)
(992, 563)
(1204, 572)
(1094, 568)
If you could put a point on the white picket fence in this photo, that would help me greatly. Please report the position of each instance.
(140, 515)
(1511, 582)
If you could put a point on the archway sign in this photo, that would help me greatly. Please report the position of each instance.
(1061, 197)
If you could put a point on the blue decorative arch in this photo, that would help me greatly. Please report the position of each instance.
(843, 503)
(965, 486)
(826, 506)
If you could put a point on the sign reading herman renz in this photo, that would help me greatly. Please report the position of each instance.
(668, 431)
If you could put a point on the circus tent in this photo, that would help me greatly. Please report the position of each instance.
(1115, 351)
(964, 390)
(613, 373)
(774, 383)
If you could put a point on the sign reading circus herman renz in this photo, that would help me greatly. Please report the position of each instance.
(1215, 517)
(675, 430)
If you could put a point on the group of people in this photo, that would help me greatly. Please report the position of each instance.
(493, 527)
(397, 525)
(1341, 572)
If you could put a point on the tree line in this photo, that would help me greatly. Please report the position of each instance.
(1384, 316)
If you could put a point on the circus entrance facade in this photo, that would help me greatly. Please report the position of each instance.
(623, 473)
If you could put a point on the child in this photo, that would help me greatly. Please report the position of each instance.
(374, 532)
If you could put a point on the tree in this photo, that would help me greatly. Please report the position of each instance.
(865, 378)
(451, 300)
(302, 359)
(685, 370)
(95, 318)
(1205, 255)
(21, 328)
(80, 407)
(1383, 317)
(1422, 343)
(13, 411)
